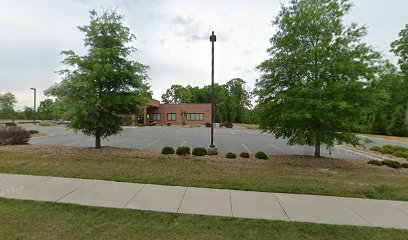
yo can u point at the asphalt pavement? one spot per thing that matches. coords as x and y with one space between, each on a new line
226 140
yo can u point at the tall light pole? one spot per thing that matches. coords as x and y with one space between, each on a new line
213 39
35 103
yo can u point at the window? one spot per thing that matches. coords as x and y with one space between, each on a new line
155 117
171 117
195 116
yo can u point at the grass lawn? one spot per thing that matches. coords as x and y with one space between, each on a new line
247 125
42 220
286 174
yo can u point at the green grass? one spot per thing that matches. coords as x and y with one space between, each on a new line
396 151
286 174
42 220
248 126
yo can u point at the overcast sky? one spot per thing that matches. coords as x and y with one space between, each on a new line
172 38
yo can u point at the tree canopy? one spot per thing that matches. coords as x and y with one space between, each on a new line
233 100
314 86
100 86
7 103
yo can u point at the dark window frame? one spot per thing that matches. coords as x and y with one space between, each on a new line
172 119
154 117
195 117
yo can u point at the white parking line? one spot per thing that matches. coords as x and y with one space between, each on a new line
359 153
246 148
183 143
284 152
150 144
116 142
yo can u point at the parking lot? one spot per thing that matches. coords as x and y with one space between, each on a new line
226 140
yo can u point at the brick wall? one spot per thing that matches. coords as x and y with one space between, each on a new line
164 109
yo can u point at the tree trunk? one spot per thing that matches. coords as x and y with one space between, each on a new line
317 150
98 139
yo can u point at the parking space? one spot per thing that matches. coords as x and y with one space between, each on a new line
155 138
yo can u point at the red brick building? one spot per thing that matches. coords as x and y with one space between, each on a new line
194 114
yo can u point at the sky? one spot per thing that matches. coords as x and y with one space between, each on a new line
172 38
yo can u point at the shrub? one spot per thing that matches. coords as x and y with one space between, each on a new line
13 135
231 155
168 150
183 151
212 152
404 165
375 148
392 164
199 151
10 124
32 131
375 162
208 125
261 155
244 155
226 124
402 154
168 124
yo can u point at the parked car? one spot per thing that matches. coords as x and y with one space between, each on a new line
60 122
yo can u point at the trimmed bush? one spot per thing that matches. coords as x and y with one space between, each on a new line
168 150
392 164
375 162
231 155
402 154
199 151
183 151
404 165
208 125
32 131
169 124
244 155
226 124
375 148
212 152
261 155
13 135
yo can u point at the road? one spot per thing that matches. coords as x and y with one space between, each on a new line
226 140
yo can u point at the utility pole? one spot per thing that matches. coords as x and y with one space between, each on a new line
35 104
213 39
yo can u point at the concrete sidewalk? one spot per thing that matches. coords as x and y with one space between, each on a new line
216 202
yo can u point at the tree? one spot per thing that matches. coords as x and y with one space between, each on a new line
7 103
99 87
240 99
400 49
28 113
177 94
46 109
314 87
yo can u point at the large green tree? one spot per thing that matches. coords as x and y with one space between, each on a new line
400 49
313 88
7 103
100 86
233 100
46 109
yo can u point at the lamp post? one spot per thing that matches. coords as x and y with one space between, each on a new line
35 104
213 39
